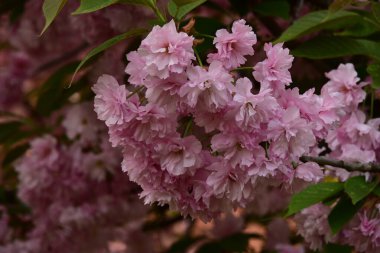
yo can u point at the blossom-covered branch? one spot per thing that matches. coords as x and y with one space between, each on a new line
349 166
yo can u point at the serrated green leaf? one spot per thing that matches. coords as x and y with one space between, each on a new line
332 47
51 8
315 21
273 8
180 11
357 188
374 71
342 213
107 44
376 11
313 195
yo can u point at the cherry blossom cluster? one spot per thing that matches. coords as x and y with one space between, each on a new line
78 198
203 139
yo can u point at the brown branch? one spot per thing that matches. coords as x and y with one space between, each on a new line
349 166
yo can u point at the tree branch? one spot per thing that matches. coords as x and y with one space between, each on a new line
349 166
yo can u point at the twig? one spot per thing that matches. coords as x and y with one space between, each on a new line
349 166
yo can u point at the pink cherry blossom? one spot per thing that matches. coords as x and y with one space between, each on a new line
179 155
232 47
275 68
165 50
213 86
111 101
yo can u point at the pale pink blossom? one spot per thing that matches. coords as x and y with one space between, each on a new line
213 86
232 47
291 134
275 68
253 109
165 50
343 86
111 101
179 155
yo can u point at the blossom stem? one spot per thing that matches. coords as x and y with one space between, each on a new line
349 166
198 57
137 90
204 35
188 128
372 103
242 68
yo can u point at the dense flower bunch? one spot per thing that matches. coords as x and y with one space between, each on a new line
205 140
79 201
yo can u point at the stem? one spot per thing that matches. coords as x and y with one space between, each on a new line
188 128
204 35
158 13
198 57
137 90
349 166
372 103
242 68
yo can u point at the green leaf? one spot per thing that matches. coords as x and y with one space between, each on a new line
107 44
50 93
376 11
183 2
87 6
376 191
51 8
273 8
337 5
9 130
342 213
183 244
357 188
337 248
233 243
172 8
315 21
14 153
313 195
180 11
332 47
374 71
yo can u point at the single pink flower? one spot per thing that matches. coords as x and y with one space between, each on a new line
276 67
232 47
